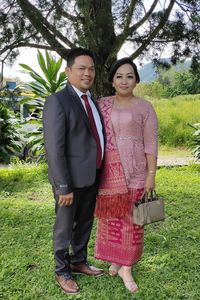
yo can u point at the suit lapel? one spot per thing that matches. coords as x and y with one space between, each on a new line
77 102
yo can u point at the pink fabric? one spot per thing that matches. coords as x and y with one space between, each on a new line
135 130
118 239
132 133
112 178
113 199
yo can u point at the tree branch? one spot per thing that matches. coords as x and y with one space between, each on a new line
123 36
43 26
63 13
184 9
6 48
144 19
10 6
50 11
129 15
155 31
188 7
25 44
7 54
32 45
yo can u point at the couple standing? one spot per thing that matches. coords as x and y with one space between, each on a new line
78 149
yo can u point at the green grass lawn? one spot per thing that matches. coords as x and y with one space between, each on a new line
170 265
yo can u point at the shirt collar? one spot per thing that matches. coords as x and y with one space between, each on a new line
81 93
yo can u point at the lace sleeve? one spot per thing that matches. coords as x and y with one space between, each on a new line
151 132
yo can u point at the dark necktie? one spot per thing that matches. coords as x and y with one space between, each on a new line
94 130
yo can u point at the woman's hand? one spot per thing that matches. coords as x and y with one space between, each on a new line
149 183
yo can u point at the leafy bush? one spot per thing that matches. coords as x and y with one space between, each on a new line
9 98
152 89
11 138
51 81
171 83
196 140
184 83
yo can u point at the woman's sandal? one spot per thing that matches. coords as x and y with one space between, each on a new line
113 270
130 285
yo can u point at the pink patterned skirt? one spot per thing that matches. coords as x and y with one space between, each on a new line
118 240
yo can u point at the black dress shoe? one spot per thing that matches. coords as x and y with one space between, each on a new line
67 284
85 269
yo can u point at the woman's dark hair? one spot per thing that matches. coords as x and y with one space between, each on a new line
75 52
118 63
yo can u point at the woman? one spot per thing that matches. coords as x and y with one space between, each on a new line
129 170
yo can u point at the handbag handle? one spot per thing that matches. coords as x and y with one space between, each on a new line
149 196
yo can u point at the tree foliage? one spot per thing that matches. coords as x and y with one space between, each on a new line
104 26
171 84
196 140
11 139
179 81
184 83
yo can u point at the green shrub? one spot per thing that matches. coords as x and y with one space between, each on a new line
196 140
11 139
184 83
153 90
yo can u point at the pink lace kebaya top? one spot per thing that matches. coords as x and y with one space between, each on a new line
135 128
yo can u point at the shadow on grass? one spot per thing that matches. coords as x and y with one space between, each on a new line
23 177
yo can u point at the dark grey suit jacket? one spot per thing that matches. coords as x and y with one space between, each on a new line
69 143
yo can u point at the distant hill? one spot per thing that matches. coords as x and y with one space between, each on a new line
148 71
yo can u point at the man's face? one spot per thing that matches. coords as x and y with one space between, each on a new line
81 74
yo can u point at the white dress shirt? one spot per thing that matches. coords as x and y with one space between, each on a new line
95 114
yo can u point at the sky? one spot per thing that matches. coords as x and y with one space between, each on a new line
29 56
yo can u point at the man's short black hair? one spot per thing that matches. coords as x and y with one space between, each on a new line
75 52
118 63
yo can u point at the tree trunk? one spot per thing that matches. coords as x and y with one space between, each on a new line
102 87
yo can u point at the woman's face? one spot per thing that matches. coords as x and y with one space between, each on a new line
124 80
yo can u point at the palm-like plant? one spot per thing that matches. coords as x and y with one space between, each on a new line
51 81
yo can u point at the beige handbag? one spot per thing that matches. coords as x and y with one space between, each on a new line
148 210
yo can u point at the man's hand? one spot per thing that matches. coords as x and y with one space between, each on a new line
66 199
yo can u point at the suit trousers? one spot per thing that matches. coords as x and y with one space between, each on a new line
72 228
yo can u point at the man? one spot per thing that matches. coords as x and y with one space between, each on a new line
74 149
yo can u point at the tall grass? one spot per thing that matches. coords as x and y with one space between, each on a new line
173 116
